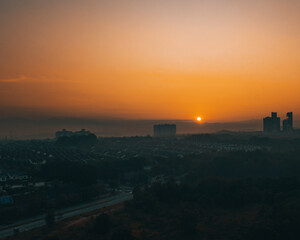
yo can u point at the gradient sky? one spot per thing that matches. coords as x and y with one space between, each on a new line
161 59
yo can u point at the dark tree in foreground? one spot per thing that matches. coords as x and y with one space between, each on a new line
122 234
188 223
50 219
102 224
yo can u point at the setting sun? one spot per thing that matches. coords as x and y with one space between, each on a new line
199 119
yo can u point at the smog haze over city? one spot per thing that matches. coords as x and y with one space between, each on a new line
162 119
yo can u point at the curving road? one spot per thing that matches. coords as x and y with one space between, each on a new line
39 221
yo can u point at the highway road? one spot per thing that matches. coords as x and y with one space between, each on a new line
39 221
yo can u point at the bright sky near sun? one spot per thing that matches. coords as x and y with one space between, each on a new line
175 59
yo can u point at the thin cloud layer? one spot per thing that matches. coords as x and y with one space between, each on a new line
20 78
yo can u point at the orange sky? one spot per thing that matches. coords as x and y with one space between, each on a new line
221 59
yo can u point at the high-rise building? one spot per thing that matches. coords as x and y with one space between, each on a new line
272 124
164 130
288 122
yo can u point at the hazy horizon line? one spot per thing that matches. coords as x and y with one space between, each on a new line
40 118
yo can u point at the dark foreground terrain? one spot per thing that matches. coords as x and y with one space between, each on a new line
220 190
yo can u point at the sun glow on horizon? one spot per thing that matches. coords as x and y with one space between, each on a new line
199 119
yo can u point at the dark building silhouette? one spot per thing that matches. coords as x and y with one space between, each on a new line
272 124
288 122
66 133
164 130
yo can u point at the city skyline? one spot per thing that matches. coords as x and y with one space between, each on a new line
160 119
